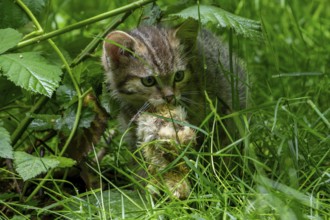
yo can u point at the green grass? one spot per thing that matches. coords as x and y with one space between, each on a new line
277 165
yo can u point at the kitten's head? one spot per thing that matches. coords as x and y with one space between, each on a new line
146 65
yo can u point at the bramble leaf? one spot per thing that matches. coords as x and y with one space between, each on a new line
151 15
29 166
13 16
31 71
6 151
246 27
64 162
8 39
44 121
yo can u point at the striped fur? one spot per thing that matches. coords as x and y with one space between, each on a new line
130 58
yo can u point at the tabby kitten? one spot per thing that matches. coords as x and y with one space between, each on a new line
150 66
153 66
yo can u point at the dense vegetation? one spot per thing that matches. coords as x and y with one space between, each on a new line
59 141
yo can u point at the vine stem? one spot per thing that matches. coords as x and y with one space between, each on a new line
93 44
80 24
75 124
80 97
76 86
26 121
68 69
30 14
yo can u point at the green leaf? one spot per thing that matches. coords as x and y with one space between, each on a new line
126 204
64 162
151 14
29 166
246 27
66 95
6 151
9 92
8 39
6 196
31 71
122 203
36 6
44 121
69 116
13 16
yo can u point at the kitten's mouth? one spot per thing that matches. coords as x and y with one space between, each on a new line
165 101
154 105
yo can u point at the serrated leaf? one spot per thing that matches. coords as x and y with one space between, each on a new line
246 27
31 71
9 92
151 14
13 16
64 162
8 39
35 6
29 166
67 121
66 95
43 121
6 151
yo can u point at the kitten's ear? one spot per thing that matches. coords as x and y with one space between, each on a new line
117 48
187 32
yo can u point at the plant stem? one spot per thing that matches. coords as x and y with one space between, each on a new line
76 122
319 113
129 7
68 69
76 86
30 14
26 121
80 97
93 44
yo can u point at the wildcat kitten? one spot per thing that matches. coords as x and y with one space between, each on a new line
152 66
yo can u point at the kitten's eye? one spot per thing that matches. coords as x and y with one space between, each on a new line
179 76
148 81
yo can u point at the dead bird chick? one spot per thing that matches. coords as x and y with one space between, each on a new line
163 135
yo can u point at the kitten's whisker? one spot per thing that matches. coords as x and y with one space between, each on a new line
190 92
189 101
183 104
142 109
198 93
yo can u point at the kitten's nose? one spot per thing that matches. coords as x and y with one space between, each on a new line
169 98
